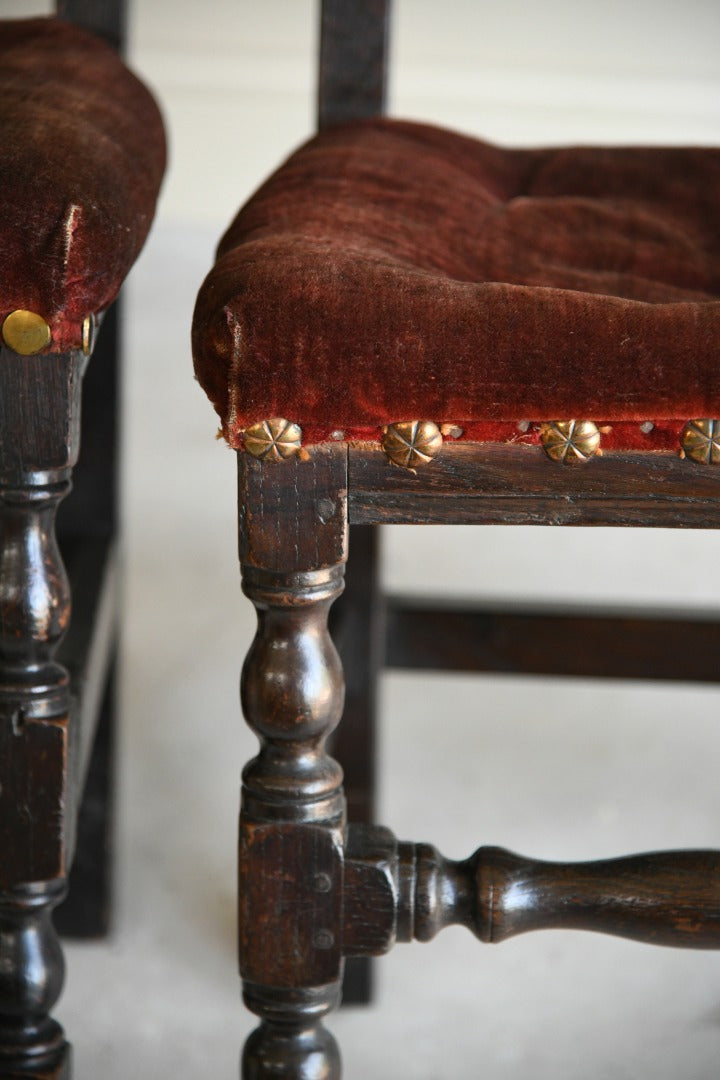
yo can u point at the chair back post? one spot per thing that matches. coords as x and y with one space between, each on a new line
352 85
106 18
354 42
92 510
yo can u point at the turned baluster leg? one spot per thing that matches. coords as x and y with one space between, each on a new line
39 414
292 549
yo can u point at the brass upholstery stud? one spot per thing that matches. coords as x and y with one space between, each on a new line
700 439
88 334
273 440
570 441
25 332
412 442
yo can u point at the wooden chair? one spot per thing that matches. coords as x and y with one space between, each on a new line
82 163
378 354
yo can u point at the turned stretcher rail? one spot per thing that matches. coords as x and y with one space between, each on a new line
400 892
666 898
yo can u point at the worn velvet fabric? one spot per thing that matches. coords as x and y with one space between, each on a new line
393 271
81 161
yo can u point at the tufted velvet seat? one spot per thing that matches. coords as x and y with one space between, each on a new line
391 270
83 154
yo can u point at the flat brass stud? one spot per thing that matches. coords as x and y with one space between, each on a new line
412 442
25 332
700 439
570 441
273 440
88 334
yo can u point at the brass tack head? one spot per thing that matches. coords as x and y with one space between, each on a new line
25 332
412 442
570 441
273 440
700 439
88 334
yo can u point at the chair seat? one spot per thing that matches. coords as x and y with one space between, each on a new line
393 271
83 154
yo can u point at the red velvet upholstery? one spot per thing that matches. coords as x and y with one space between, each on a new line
83 154
394 271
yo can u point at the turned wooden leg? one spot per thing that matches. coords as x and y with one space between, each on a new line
292 549
31 978
39 414
34 743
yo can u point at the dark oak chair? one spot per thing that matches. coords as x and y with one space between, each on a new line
404 325
83 157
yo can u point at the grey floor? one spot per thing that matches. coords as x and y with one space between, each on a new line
556 770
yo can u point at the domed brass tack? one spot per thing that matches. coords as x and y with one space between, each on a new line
412 442
25 332
88 334
700 440
273 440
570 441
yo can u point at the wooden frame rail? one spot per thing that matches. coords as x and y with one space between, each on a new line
494 484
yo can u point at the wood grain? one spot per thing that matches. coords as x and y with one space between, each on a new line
486 484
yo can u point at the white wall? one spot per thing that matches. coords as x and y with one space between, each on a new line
237 79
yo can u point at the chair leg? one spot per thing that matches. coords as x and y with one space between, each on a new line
356 626
87 910
39 403
293 528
